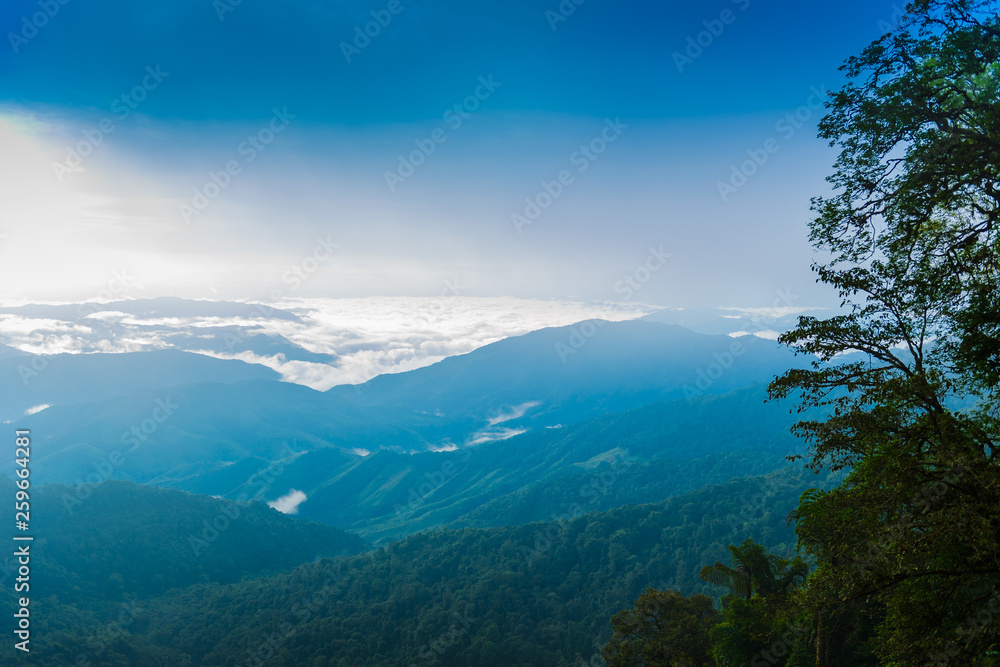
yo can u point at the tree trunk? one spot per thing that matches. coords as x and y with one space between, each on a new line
822 653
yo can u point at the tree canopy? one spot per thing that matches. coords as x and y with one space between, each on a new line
906 548
909 236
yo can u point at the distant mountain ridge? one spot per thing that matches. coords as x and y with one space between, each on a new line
163 306
30 380
507 433
580 371
515 385
88 533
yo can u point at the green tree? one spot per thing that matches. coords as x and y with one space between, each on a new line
756 571
911 538
665 629
759 624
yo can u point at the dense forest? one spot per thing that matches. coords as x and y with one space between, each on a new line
534 594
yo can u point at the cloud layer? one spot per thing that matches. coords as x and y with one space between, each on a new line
319 343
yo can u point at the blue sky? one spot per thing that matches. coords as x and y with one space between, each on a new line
254 111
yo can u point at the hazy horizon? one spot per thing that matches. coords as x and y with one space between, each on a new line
260 153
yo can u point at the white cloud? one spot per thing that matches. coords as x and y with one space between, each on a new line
36 409
513 413
767 334
289 503
110 316
368 337
492 436
773 312
15 324
379 335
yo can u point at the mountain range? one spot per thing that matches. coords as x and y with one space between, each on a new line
474 427
509 499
